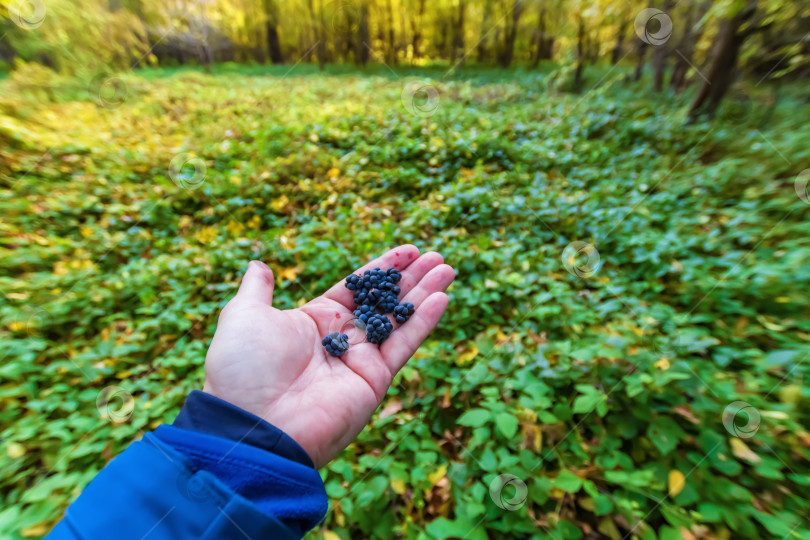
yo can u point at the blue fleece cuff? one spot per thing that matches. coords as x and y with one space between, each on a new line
208 414
153 491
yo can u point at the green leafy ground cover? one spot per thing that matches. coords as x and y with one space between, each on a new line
604 395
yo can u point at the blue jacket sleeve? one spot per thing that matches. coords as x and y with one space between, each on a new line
218 473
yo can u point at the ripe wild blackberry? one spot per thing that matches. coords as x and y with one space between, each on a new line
335 344
403 312
378 328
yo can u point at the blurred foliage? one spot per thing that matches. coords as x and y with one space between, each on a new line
604 395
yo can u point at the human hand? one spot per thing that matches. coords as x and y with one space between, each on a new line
271 362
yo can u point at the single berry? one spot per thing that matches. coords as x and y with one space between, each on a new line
378 328
335 344
403 312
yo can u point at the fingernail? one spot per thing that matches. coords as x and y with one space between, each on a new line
260 264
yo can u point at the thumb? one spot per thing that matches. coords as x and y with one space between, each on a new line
257 283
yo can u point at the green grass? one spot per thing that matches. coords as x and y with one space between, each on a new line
591 391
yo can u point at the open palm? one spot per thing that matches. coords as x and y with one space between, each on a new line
271 362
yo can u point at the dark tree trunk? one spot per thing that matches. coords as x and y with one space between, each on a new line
543 44
416 27
724 63
482 49
616 53
511 35
641 52
686 47
458 38
391 53
580 53
273 46
361 55
660 54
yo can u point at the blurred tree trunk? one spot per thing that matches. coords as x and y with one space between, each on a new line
273 45
458 37
511 34
363 36
316 23
544 45
724 63
416 27
391 53
686 47
660 54
580 52
482 50
641 52
616 53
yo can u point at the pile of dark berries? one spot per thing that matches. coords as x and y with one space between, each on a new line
376 292
378 328
336 344
403 312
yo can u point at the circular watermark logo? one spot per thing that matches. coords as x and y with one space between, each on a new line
108 91
187 171
353 328
802 179
581 259
37 322
27 14
741 419
420 98
653 26
508 492
192 487
342 18
115 404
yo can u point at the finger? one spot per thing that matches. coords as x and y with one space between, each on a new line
257 284
403 342
418 270
399 257
436 280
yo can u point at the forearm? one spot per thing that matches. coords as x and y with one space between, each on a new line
218 472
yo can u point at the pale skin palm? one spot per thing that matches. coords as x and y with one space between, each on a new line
271 363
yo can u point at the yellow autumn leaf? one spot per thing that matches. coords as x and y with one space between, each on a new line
15 450
254 222
437 475
234 227
676 481
662 364
333 173
398 486
16 326
468 355
288 274
741 451
280 203
206 235
36 530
